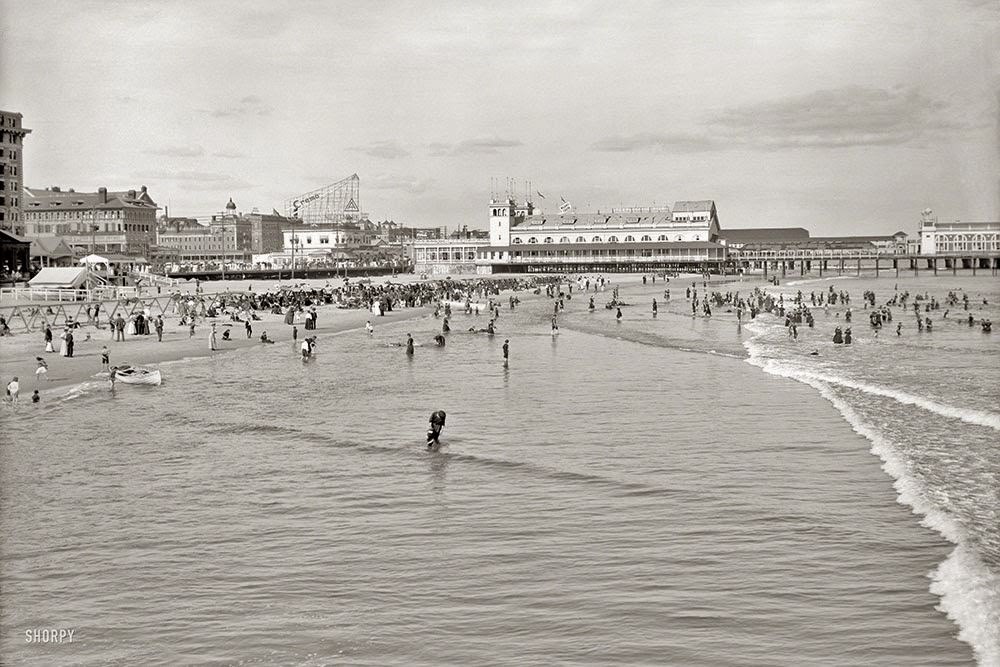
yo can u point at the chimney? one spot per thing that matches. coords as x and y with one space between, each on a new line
102 195
142 189
131 194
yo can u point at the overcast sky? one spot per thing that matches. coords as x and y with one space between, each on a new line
844 117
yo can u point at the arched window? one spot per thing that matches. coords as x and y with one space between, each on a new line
629 239
548 239
518 241
532 240
678 238
662 237
612 239
564 239
646 238
697 238
580 239
596 239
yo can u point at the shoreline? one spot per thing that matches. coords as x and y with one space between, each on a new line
177 345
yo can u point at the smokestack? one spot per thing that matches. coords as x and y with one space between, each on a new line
102 195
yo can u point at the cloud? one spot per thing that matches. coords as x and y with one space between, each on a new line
652 141
251 105
229 154
408 184
850 116
472 146
177 151
842 117
389 150
197 180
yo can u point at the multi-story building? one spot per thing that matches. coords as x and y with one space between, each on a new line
105 222
521 238
937 238
225 237
632 239
265 231
11 144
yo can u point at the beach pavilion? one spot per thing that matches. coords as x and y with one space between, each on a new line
51 252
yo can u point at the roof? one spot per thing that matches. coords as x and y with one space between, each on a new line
10 237
852 239
764 234
694 206
59 277
53 247
581 220
36 199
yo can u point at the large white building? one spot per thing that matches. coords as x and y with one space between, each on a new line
522 238
942 238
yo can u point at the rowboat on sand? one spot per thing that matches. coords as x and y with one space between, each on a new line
137 375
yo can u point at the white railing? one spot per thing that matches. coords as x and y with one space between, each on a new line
99 293
154 279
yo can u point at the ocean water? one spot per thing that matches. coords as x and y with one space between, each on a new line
657 491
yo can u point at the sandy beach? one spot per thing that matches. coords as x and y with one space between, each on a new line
19 351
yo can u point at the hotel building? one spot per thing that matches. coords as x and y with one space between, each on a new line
11 143
121 222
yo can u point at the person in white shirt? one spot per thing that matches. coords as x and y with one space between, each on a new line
13 389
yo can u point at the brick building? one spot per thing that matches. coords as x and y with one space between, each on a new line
11 179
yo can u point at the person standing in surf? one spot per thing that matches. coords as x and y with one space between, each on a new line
506 351
409 345
436 424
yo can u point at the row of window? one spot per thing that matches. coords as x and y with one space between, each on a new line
598 239
3 169
78 214
325 240
446 256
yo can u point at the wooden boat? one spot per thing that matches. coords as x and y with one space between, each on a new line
137 375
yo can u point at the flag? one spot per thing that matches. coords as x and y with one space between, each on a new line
565 206
539 194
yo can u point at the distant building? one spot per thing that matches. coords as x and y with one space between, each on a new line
325 238
266 231
738 238
226 237
11 142
122 222
447 256
938 238
630 239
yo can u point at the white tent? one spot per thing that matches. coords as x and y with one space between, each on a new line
94 259
59 278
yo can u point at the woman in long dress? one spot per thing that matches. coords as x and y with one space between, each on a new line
131 327
63 349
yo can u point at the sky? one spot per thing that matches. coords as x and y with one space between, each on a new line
844 117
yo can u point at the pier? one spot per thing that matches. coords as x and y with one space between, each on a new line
853 262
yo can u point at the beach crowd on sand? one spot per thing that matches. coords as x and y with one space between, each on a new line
291 304
203 311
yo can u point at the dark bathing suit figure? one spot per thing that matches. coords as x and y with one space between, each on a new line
434 432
